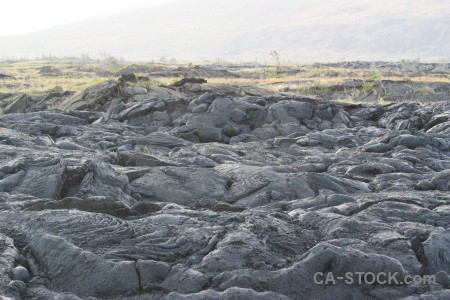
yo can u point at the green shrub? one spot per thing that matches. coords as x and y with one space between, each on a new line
370 83
407 79
56 89
274 74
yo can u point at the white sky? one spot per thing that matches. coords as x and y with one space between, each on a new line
25 16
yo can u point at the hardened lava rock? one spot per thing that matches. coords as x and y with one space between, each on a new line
212 192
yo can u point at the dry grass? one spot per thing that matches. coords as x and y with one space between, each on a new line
73 76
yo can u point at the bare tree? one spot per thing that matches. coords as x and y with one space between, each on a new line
276 56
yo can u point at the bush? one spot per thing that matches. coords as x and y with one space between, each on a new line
56 89
370 83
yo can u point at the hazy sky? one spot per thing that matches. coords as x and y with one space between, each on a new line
25 16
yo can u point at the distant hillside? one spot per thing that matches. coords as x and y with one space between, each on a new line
307 30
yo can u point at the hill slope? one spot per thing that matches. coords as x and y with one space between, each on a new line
298 30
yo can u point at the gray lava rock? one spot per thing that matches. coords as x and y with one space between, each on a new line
437 252
20 273
290 111
209 134
95 97
15 289
209 191
231 293
184 280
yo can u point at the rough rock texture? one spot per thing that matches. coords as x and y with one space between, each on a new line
222 195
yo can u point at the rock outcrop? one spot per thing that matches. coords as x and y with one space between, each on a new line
216 193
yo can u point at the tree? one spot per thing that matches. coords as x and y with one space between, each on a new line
276 56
